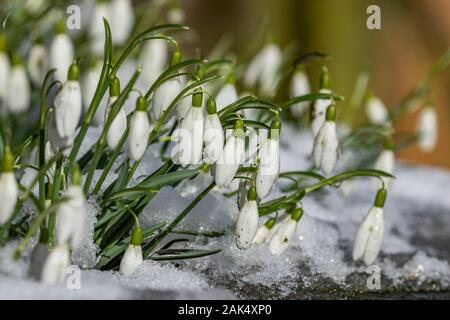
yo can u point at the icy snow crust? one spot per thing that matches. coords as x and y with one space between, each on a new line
415 255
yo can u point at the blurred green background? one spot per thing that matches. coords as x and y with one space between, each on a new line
413 34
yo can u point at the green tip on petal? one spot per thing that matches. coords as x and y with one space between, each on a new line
140 104
380 198
325 78
251 195
197 98
275 128
231 79
176 58
74 72
8 161
331 113
136 237
270 223
3 43
60 26
297 214
200 73
239 129
301 68
204 167
114 87
76 175
389 143
211 106
15 59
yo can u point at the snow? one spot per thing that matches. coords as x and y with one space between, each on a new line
415 247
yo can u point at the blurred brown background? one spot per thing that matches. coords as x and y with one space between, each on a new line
413 34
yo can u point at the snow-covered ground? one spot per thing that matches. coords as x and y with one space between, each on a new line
415 255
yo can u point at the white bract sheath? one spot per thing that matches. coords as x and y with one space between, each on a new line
61 55
131 259
18 94
54 270
299 86
247 223
122 20
428 129
37 64
71 217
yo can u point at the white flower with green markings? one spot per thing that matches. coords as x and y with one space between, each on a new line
119 123
282 237
300 86
213 135
428 128
262 234
326 144
139 130
8 187
54 271
320 106
247 223
227 94
19 92
61 52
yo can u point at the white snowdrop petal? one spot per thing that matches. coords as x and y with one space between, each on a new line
18 94
8 193
385 162
299 86
247 224
55 267
164 95
117 127
318 114
282 237
261 235
153 60
326 147
138 135
131 259
96 28
229 161
122 20
365 235
376 111
37 64
4 78
213 137
61 56
226 96
68 109
269 167
428 129
89 85
375 238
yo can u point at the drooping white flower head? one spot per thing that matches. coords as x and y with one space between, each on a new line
386 161
376 110
4 74
264 69
54 271
281 239
232 156
56 142
227 94
263 232
71 213
37 64
326 144
139 131
319 107
153 60
247 223
188 150
122 20
96 28
369 238
61 53
89 83
68 104
213 135
132 257
269 161
8 187
299 86
428 129
18 94
166 92
119 123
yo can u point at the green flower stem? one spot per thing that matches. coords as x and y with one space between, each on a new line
55 196
100 145
177 220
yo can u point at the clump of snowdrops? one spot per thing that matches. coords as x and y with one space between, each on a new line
51 91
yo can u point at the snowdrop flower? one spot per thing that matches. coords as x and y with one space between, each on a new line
8 187
48 154
299 86
263 69
428 129
280 240
153 59
263 232
132 257
71 214
54 270
376 110
56 142
61 53
370 233
96 29
326 144
37 64
320 106
175 15
386 160
213 135
227 94
232 156
89 85
122 20
139 130
18 94
68 104
167 91
188 149
247 223
119 123
269 165
4 74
